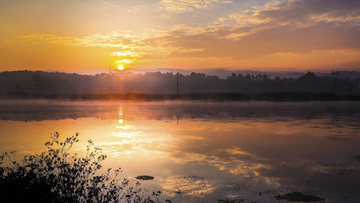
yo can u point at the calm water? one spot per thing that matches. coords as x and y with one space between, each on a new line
203 152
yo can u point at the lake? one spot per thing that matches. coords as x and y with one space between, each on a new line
206 152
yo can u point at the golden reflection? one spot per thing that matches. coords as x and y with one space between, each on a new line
120 111
121 120
195 158
194 186
135 142
246 150
125 127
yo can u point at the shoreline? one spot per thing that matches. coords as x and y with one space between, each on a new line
216 97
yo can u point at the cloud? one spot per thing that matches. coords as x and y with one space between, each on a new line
311 10
177 6
112 39
297 27
292 27
108 5
129 44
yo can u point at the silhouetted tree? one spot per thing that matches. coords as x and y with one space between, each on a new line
166 83
36 78
335 75
54 176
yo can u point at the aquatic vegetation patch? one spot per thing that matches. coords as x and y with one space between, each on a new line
144 177
298 197
230 201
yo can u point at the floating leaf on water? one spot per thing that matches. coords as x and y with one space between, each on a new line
298 197
230 201
144 177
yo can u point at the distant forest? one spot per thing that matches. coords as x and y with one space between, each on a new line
169 83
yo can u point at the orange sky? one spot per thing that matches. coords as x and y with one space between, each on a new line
95 36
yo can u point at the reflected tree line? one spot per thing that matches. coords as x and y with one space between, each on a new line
217 111
169 83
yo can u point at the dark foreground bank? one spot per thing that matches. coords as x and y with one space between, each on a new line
276 96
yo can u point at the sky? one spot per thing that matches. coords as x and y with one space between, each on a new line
89 36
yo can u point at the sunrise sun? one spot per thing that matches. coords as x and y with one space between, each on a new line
120 67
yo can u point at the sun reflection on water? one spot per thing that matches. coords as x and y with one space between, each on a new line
201 157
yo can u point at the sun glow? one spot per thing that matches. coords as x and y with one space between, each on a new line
120 67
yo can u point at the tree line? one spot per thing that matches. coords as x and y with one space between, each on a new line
169 83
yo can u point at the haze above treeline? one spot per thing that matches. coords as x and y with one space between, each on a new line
338 82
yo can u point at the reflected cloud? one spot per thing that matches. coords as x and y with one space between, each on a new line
193 186
135 142
231 148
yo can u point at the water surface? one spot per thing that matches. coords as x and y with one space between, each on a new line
203 152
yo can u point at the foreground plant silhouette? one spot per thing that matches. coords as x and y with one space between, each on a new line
53 176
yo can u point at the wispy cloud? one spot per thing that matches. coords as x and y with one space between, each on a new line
108 5
311 10
292 27
112 39
131 46
297 27
177 6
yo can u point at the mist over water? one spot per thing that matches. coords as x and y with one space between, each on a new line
203 152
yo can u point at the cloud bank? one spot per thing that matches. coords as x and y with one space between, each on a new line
280 30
